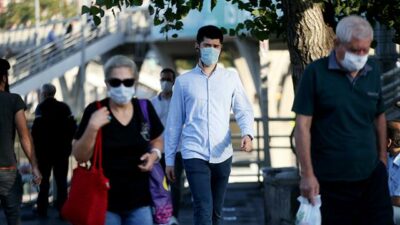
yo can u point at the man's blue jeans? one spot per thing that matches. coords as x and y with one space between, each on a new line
11 195
207 182
139 216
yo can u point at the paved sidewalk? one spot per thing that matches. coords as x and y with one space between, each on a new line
243 206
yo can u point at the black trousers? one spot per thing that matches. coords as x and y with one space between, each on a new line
365 202
59 165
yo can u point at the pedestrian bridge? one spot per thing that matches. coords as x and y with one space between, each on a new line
35 65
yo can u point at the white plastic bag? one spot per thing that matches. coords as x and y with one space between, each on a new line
309 214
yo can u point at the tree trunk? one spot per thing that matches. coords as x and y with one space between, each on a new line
308 36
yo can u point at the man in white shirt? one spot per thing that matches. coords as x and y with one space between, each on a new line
393 134
199 119
161 104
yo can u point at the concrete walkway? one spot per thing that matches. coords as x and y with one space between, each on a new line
243 206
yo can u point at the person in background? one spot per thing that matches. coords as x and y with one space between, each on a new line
12 118
51 36
127 159
341 131
198 122
393 137
52 132
161 103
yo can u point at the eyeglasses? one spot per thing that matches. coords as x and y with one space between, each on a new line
114 82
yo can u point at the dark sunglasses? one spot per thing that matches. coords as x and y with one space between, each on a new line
114 82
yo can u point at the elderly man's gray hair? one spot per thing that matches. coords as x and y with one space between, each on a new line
353 27
48 90
120 61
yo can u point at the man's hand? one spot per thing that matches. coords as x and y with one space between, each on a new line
37 176
309 187
170 172
246 144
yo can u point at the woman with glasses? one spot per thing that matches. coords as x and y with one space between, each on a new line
126 143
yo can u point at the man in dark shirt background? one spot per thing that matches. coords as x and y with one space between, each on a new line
52 132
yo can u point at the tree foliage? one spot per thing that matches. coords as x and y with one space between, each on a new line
266 15
23 12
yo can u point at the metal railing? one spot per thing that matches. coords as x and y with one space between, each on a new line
34 60
391 92
251 163
24 37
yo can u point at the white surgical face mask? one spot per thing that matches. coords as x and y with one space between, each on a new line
209 56
121 95
353 62
166 86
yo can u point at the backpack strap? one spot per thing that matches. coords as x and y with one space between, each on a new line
143 108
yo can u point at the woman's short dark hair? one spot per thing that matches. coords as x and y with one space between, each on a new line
211 32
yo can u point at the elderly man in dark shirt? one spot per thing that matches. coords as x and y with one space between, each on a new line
341 131
52 133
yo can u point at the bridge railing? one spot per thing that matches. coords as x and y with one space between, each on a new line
34 60
247 165
26 36
391 87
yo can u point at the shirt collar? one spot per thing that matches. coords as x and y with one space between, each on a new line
200 71
334 65
396 160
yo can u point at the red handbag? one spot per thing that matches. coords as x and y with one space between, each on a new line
88 195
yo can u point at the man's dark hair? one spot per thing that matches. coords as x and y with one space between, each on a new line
4 67
211 32
168 70
393 132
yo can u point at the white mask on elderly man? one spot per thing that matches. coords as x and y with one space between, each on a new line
166 86
353 62
121 94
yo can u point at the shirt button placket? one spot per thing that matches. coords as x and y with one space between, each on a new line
208 117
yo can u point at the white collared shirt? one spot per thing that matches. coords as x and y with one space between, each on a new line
200 111
161 105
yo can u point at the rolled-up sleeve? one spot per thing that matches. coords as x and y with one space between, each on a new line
242 109
176 118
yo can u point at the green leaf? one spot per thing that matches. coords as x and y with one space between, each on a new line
159 4
213 4
94 10
85 9
240 26
96 20
200 6
169 15
157 21
223 29
102 12
109 4
179 25
151 9
99 2
175 35
137 2
232 32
